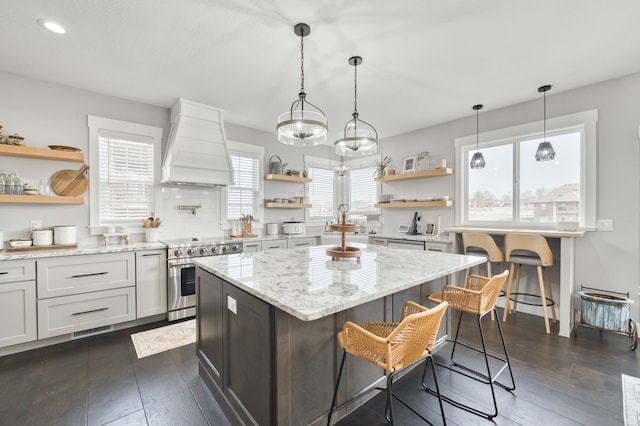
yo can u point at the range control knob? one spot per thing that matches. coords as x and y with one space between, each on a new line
178 253
190 252
236 247
215 250
203 250
225 249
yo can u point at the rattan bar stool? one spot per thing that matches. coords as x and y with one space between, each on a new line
393 347
481 244
529 249
478 297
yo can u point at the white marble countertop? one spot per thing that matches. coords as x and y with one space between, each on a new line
400 236
307 284
501 231
82 249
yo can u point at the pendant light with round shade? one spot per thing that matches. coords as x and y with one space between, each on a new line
545 151
359 138
304 124
477 161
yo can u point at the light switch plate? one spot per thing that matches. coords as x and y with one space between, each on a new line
232 305
35 224
605 225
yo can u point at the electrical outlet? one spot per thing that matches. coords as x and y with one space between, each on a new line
35 224
605 225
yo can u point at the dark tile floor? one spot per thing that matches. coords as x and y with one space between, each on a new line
99 380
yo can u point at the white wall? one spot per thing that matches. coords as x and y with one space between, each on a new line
609 260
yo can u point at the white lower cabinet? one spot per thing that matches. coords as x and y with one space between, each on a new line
274 244
151 283
17 302
251 247
77 293
68 314
301 242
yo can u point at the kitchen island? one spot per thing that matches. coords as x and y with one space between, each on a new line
267 323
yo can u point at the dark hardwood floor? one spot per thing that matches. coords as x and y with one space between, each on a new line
99 380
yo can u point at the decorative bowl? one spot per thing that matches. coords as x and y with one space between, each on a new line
20 242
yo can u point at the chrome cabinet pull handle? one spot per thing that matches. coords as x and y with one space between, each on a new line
3 273
89 275
91 311
154 254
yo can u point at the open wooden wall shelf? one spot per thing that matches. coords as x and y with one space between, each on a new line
416 175
40 153
39 199
287 206
408 204
285 178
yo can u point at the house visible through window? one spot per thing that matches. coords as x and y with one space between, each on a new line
124 171
514 188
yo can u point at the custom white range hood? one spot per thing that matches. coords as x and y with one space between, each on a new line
196 151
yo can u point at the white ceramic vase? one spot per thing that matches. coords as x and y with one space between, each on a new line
152 234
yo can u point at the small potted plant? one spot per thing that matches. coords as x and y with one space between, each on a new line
381 166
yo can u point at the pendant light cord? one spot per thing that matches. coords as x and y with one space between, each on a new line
302 63
477 128
544 119
355 89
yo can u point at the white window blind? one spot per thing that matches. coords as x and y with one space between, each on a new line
363 191
242 196
126 165
321 194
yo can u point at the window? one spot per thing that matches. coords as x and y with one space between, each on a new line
515 189
125 172
328 190
363 193
321 193
243 197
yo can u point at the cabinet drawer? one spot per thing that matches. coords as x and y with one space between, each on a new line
17 270
63 315
64 276
275 244
301 242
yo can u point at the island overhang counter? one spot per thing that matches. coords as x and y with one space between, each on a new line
266 323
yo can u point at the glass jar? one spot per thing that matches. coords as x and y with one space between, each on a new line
425 161
17 185
44 187
4 183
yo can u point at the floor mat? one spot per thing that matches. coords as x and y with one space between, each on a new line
631 400
162 339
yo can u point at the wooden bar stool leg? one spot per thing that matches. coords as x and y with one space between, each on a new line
507 299
515 302
489 274
550 292
544 299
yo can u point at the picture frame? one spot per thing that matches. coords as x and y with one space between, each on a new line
409 164
429 229
403 228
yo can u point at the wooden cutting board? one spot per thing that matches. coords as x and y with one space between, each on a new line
70 183
38 248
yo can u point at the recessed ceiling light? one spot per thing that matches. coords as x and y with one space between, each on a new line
52 26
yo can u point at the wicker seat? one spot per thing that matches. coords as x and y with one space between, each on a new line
533 250
393 347
477 297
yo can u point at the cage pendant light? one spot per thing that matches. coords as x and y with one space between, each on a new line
342 170
545 151
359 138
304 124
477 161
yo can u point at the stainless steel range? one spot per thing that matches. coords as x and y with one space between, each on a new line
181 290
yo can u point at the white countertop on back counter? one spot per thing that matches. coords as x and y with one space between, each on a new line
428 238
82 249
307 284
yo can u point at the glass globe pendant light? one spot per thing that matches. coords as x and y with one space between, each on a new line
545 151
341 170
304 124
359 137
477 161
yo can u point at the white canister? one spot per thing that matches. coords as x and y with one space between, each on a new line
152 234
272 229
42 237
64 234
